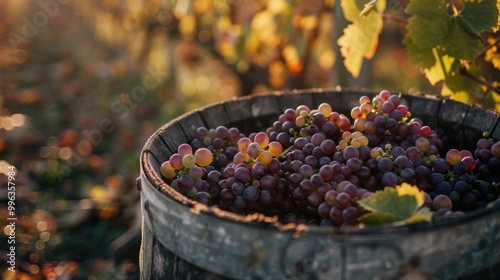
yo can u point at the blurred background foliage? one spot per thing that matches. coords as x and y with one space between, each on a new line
84 83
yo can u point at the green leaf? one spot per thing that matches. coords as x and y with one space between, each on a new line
457 34
429 24
360 39
480 16
399 205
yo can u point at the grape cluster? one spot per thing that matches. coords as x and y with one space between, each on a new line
313 165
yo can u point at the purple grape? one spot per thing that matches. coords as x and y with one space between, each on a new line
317 139
237 188
295 179
354 164
391 124
203 197
214 177
259 169
306 187
328 146
440 165
330 129
389 179
343 200
265 197
318 152
402 162
350 152
421 172
336 214
397 115
331 197
379 121
306 171
308 149
239 203
311 161
274 166
317 180
350 214
314 199
407 174
324 210
185 183
242 174
267 182
250 193
413 154
227 196
351 190
298 155
443 187
384 164
326 172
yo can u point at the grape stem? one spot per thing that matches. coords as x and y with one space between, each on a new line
282 156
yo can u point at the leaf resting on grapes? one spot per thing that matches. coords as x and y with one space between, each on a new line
399 205
360 38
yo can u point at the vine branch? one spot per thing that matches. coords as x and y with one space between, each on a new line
463 71
489 46
395 18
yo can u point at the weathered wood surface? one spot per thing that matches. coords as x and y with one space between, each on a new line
182 242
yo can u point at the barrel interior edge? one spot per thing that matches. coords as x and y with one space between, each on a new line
214 115
293 100
190 123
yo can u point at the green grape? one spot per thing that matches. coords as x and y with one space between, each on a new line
188 161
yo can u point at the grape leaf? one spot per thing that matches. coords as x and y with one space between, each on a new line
360 38
399 205
458 34
444 66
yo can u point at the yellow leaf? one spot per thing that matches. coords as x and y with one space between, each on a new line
360 39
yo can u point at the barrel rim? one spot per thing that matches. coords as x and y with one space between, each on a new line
265 222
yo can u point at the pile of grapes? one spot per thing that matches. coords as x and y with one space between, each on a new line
313 165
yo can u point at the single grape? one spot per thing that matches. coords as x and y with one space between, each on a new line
176 161
384 164
350 152
325 109
343 200
203 157
453 156
184 149
203 197
262 139
188 161
251 193
185 183
389 179
350 214
167 170
442 201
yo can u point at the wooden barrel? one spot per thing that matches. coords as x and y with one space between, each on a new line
185 240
